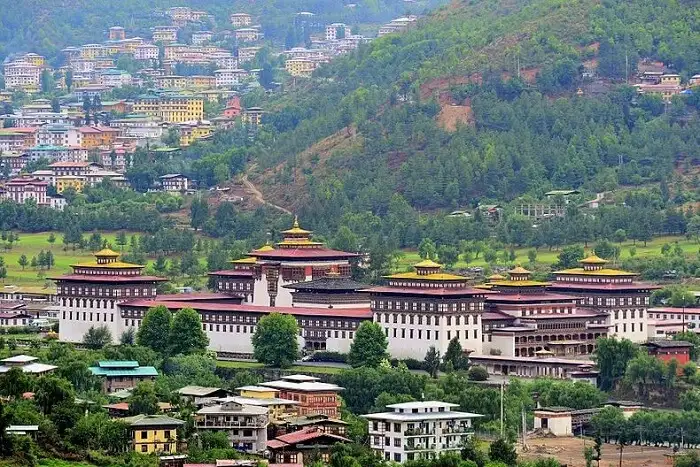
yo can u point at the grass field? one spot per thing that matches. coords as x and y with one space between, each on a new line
328 370
31 244
547 257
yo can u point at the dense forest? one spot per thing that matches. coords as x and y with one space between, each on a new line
376 113
35 26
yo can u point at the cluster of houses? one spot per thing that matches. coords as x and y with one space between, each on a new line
656 79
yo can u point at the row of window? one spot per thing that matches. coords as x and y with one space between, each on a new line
426 306
418 319
594 280
411 334
327 334
632 314
666 316
88 303
98 317
106 292
624 327
546 311
228 285
101 272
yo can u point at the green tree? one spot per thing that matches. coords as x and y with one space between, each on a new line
427 249
570 256
448 255
154 331
121 240
23 261
51 391
605 249
186 334
128 337
477 373
51 239
620 235
455 354
143 399
612 357
503 451
369 347
199 212
431 362
14 383
532 256
97 337
275 340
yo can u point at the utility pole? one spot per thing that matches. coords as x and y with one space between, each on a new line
502 386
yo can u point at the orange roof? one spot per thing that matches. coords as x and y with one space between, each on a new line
69 164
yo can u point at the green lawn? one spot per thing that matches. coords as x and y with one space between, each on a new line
31 244
328 370
547 257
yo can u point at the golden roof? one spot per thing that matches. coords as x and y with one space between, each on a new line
265 247
106 252
511 283
296 229
496 277
594 259
112 265
519 270
246 260
428 263
596 272
439 276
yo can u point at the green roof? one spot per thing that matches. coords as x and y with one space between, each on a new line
114 372
118 363
152 420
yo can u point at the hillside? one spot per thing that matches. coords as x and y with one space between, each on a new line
35 26
377 127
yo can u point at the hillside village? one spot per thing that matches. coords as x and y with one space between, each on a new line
88 134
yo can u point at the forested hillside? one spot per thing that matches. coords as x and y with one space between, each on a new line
37 26
366 133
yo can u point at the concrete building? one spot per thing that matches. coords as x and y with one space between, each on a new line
174 182
241 20
154 433
335 31
21 190
419 430
245 425
313 396
27 364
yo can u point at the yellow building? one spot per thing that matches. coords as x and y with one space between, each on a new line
300 67
35 59
91 51
70 181
252 116
190 133
674 80
171 82
201 82
171 108
154 433
260 396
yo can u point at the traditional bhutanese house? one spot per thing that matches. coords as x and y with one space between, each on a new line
426 308
154 433
267 270
539 320
122 374
320 422
27 364
314 397
667 350
89 296
200 396
292 448
608 290
268 398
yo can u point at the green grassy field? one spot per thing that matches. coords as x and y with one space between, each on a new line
547 257
329 370
31 244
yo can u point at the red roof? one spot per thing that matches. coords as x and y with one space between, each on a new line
117 406
302 253
592 286
495 315
89 129
14 315
680 311
365 313
234 273
530 297
26 181
444 291
107 278
23 129
198 296
301 436
69 164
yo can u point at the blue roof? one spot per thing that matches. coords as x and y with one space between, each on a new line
113 372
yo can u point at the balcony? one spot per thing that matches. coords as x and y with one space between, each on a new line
419 447
419 432
457 430
223 424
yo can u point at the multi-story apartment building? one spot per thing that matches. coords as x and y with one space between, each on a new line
20 190
248 35
171 108
230 77
419 430
241 19
92 51
58 135
246 54
35 59
302 67
245 425
191 132
22 75
174 182
427 308
17 139
335 31
313 396
58 154
278 408
201 37
200 82
146 52
611 291
164 34
114 78
75 182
